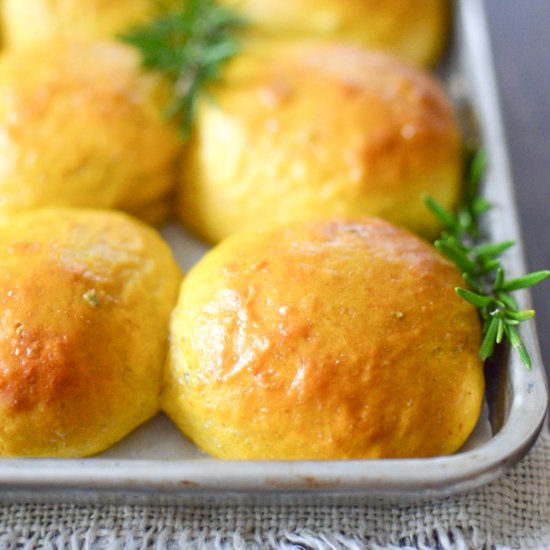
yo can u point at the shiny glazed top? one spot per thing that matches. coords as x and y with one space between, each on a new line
336 339
413 29
82 125
308 129
33 22
85 298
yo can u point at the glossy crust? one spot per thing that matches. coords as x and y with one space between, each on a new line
30 22
85 302
413 29
324 340
315 129
82 125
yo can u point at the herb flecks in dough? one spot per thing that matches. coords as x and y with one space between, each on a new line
92 298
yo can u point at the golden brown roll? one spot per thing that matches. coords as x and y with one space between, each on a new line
312 129
324 340
30 22
85 302
83 126
413 29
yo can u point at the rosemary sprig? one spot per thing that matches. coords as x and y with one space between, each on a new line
489 289
189 45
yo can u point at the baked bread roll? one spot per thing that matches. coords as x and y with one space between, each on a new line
413 29
84 126
30 22
324 340
311 129
86 298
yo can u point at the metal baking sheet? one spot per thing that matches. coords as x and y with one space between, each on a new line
156 464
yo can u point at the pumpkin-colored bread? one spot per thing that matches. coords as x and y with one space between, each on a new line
82 125
413 29
324 340
30 22
309 129
85 303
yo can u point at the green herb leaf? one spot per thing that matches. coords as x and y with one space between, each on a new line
499 279
480 205
489 339
525 281
480 265
478 165
472 282
486 266
520 315
517 344
493 249
500 331
508 300
456 255
475 299
444 216
189 45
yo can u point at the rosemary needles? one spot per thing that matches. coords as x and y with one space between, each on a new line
189 45
489 289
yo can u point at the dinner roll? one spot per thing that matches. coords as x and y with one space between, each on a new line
82 125
324 340
85 303
413 29
29 22
311 129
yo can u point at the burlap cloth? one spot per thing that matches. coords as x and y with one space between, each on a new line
513 512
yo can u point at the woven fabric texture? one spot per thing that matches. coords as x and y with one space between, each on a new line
513 512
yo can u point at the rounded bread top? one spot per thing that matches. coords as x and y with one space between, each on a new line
308 128
413 29
82 125
333 339
27 23
85 301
